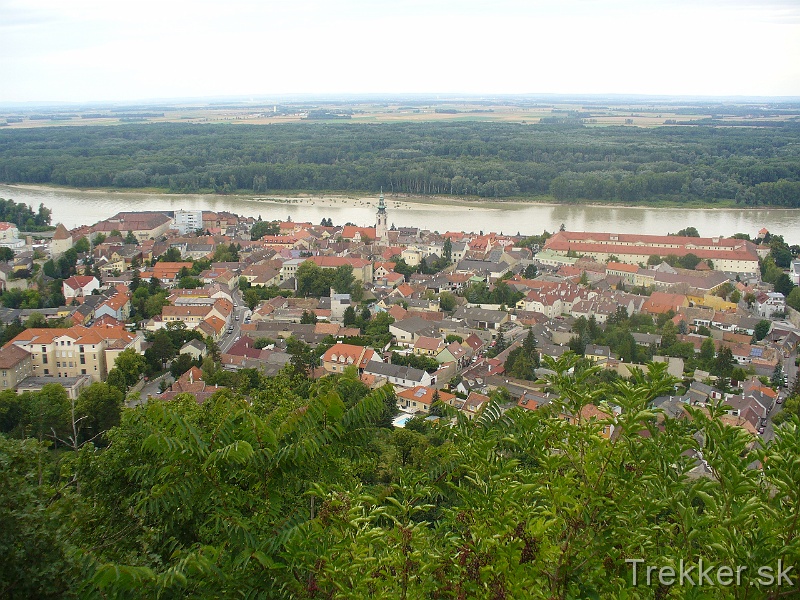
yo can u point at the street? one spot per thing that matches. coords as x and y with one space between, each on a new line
228 339
152 388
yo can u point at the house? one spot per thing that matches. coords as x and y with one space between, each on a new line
362 268
167 272
482 318
597 353
408 331
534 399
340 356
770 303
79 286
262 275
701 393
339 304
454 352
117 306
212 326
428 346
192 383
420 398
191 316
225 277
473 405
661 302
398 375
194 348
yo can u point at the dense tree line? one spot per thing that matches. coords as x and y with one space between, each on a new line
23 216
751 166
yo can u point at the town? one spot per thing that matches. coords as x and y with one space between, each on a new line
160 304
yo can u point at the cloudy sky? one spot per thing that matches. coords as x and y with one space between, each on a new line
101 50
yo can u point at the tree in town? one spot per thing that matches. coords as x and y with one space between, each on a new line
762 329
131 366
349 317
251 298
447 301
724 363
308 317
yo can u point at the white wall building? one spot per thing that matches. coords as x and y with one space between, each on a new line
188 221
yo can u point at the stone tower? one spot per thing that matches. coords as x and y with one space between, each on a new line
380 221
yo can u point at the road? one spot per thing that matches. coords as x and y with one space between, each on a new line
239 310
228 339
789 368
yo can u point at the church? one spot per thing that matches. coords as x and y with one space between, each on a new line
378 234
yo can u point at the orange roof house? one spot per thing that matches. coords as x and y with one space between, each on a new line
421 398
340 356
662 302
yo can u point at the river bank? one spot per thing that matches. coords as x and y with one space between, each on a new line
74 207
336 199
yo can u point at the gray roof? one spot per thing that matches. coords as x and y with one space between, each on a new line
396 371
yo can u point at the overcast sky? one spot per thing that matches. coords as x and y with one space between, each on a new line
99 50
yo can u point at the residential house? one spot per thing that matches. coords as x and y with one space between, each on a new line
769 304
117 306
79 286
428 346
398 375
340 356
597 353
420 398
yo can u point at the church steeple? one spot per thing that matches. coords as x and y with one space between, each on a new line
380 221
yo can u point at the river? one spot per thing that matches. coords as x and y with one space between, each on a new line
80 207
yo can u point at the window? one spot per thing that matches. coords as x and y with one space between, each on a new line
47 372
58 364
83 371
83 359
44 358
80 348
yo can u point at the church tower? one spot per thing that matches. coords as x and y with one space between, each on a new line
380 221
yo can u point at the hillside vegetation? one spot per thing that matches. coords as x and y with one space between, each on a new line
287 488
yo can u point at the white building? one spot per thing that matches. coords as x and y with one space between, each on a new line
769 303
188 221
9 236
794 272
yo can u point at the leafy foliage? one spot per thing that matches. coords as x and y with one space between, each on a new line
568 161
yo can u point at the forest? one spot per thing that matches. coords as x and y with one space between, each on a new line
565 161
293 488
